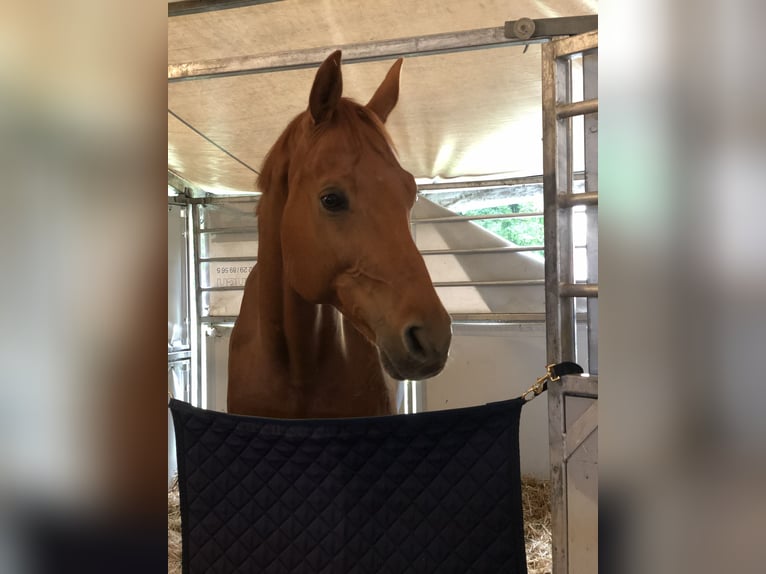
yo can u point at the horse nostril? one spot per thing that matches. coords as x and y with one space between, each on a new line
413 341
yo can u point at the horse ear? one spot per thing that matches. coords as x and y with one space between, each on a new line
327 89
385 97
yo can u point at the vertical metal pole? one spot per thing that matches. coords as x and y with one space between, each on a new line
560 319
556 169
195 304
557 180
590 91
550 210
564 163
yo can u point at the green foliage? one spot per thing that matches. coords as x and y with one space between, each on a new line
521 231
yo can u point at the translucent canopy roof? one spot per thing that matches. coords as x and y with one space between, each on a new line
469 113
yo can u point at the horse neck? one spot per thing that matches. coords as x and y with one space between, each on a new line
299 333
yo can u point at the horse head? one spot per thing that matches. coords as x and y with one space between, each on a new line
345 235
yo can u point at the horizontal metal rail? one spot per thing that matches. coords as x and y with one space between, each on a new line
183 186
186 7
481 250
480 183
577 108
179 355
497 318
416 221
579 386
456 218
248 197
503 318
232 288
457 318
218 319
573 199
497 283
582 44
578 290
227 230
489 283
224 259
352 53
427 188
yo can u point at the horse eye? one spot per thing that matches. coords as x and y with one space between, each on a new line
334 201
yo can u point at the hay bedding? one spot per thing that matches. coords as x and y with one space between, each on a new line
535 500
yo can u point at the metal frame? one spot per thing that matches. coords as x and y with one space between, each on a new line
558 109
429 45
186 7
195 304
352 53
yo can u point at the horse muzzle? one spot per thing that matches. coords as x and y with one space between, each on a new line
417 352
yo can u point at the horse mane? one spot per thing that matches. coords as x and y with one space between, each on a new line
349 116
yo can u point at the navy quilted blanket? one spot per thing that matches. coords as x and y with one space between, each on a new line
429 492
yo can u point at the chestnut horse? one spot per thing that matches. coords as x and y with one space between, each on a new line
339 291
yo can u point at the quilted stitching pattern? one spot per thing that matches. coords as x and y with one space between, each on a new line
431 492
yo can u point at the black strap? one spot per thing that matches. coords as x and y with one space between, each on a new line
553 373
566 368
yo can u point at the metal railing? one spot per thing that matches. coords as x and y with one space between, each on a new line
558 110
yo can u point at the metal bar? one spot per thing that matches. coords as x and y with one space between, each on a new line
555 165
224 230
590 127
186 7
558 479
572 199
233 258
233 288
582 44
503 318
182 185
252 197
174 356
579 386
570 290
487 183
549 27
550 186
457 318
481 250
352 53
582 108
218 319
496 283
195 304
456 218
497 318
579 431
565 161
560 290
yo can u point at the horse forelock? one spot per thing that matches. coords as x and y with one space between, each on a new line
353 118
358 124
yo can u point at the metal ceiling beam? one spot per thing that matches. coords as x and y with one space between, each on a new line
514 33
183 186
186 7
352 53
